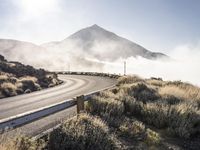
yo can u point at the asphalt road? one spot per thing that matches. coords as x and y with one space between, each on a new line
74 85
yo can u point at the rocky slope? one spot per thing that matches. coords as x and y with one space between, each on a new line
16 78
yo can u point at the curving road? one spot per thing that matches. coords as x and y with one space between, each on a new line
74 85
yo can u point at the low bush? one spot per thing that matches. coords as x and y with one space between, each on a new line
184 120
3 78
133 129
129 79
21 143
155 82
83 132
152 137
8 89
105 107
31 79
142 92
29 83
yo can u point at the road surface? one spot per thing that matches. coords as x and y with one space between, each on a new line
74 85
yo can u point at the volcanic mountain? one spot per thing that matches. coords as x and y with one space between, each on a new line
101 44
84 49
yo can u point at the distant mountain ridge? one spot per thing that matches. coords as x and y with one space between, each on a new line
91 43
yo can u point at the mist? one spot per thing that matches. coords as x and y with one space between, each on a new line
105 55
184 65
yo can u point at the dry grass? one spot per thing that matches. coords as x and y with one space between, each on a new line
141 91
28 78
134 110
8 85
133 129
8 89
105 107
82 132
129 79
186 93
19 142
152 138
173 106
155 82
12 86
3 77
24 77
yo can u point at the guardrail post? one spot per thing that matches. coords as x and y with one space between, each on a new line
80 104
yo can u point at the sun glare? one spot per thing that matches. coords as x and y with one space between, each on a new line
37 7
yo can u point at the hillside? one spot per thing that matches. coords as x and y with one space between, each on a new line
24 52
138 114
16 78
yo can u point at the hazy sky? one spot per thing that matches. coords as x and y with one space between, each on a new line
158 25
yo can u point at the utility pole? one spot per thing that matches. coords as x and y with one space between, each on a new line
124 67
69 67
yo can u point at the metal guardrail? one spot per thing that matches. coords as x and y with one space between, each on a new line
86 97
27 117
90 74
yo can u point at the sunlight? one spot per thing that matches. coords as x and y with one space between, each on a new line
37 7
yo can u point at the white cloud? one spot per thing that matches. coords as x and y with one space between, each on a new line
185 66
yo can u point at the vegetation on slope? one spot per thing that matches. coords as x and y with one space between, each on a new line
138 106
138 114
16 78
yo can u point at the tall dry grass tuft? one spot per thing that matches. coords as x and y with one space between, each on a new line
185 92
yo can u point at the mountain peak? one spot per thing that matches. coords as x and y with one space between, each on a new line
91 33
95 26
106 45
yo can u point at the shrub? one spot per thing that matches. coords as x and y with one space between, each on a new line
155 114
133 129
142 92
189 92
152 137
155 82
21 143
105 107
132 106
3 78
184 120
108 94
170 99
151 113
8 89
82 132
29 83
129 79
173 91
172 105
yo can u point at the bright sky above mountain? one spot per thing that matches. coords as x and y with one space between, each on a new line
158 25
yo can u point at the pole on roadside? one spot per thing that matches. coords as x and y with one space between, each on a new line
124 67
